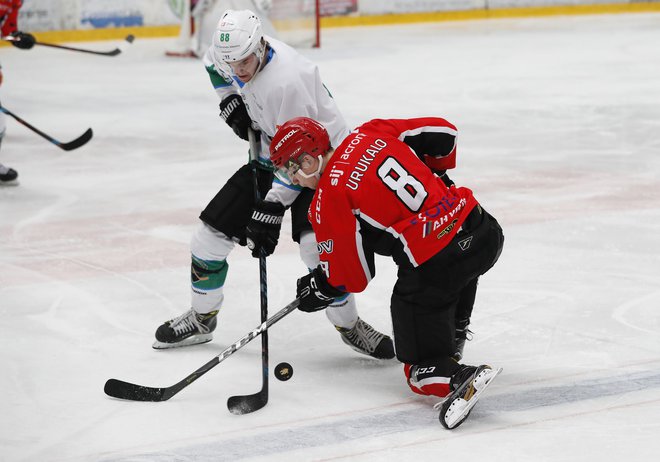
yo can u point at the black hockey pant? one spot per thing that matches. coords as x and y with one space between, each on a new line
426 300
230 210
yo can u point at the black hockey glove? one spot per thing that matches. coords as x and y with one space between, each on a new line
234 112
23 40
315 292
263 229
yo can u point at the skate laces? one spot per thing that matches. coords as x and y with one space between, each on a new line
467 334
464 333
188 322
362 335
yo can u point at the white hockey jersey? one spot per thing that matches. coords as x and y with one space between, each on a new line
288 86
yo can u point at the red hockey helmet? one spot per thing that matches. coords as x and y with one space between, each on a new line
296 137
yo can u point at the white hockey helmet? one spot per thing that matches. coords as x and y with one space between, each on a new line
237 35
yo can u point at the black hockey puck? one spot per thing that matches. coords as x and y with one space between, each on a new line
283 371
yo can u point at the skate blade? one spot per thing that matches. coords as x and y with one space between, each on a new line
193 340
459 409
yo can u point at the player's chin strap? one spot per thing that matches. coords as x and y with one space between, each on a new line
263 57
316 174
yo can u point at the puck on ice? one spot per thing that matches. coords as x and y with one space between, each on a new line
283 371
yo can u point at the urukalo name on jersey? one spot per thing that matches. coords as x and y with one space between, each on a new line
353 181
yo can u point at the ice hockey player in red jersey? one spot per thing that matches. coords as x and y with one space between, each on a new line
9 28
9 24
384 190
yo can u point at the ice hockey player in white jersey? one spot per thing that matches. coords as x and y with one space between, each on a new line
262 83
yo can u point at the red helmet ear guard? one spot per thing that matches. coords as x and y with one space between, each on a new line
296 137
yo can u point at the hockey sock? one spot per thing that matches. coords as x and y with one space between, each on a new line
343 312
206 275
433 379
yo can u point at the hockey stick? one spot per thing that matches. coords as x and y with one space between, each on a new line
124 390
129 38
81 140
244 404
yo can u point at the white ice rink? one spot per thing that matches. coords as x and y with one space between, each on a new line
559 124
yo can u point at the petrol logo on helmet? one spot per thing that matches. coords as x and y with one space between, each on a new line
292 132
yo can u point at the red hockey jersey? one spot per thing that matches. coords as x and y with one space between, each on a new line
378 188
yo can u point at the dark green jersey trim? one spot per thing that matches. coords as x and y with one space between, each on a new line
217 80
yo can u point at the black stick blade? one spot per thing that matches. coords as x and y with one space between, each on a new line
81 140
129 40
245 404
124 390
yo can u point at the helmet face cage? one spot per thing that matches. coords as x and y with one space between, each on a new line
238 35
296 138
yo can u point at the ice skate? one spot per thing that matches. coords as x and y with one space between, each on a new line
191 328
9 178
467 384
366 340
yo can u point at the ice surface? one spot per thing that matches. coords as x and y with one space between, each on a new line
559 121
